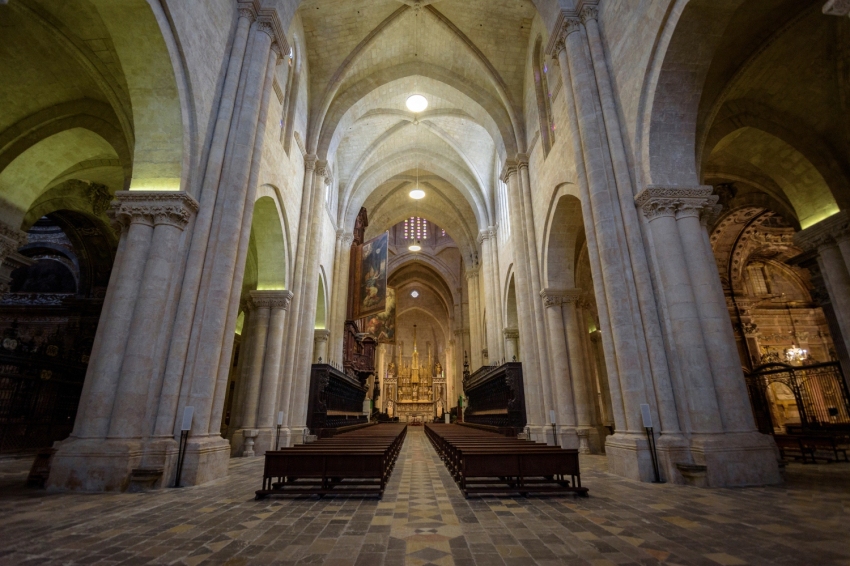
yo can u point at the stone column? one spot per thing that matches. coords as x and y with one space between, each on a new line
511 344
107 442
260 317
581 391
473 288
660 208
562 378
831 239
342 257
598 361
310 281
320 346
277 303
536 383
173 381
718 416
164 215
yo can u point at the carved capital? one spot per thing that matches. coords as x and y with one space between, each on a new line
681 202
836 7
271 299
321 335
483 235
825 232
508 170
248 10
589 13
511 333
310 162
10 240
558 297
154 208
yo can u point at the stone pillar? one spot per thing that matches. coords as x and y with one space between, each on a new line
320 346
164 217
660 208
562 378
310 287
212 305
277 303
511 344
109 432
831 239
716 411
536 383
588 436
339 301
598 361
475 344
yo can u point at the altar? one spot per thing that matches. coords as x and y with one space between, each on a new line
415 391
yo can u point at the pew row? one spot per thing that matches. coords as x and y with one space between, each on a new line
483 462
353 463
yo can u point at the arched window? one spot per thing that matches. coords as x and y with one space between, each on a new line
544 98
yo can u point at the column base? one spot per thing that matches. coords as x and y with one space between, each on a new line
94 464
737 459
568 437
265 440
537 433
206 460
629 456
237 443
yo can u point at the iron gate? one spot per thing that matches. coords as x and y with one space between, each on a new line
820 392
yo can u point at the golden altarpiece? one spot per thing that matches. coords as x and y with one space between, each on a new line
415 391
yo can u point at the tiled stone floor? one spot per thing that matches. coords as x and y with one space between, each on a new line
423 519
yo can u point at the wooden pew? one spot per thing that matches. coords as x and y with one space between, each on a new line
353 463
485 462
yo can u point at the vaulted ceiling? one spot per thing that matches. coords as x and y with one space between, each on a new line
467 57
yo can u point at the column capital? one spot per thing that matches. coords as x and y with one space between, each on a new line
567 23
471 273
558 297
589 12
11 239
836 7
511 333
269 23
508 170
321 335
270 299
174 208
322 168
656 201
247 10
345 238
824 232
310 161
483 235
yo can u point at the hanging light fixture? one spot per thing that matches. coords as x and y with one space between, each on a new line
416 103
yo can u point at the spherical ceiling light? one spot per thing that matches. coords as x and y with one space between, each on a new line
414 293
416 103
414 247
417 194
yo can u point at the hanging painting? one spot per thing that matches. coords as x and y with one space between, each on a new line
382 325
373 277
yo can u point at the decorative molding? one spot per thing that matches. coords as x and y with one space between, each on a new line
35 299
824 232
310 162
558 297
836 7
10 240
99 198
589 13
657 201
508 170
154 208
271 299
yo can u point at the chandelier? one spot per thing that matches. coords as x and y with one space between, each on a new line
795 354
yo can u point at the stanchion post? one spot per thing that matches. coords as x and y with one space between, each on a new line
554 428
279 425
188 413
650 437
